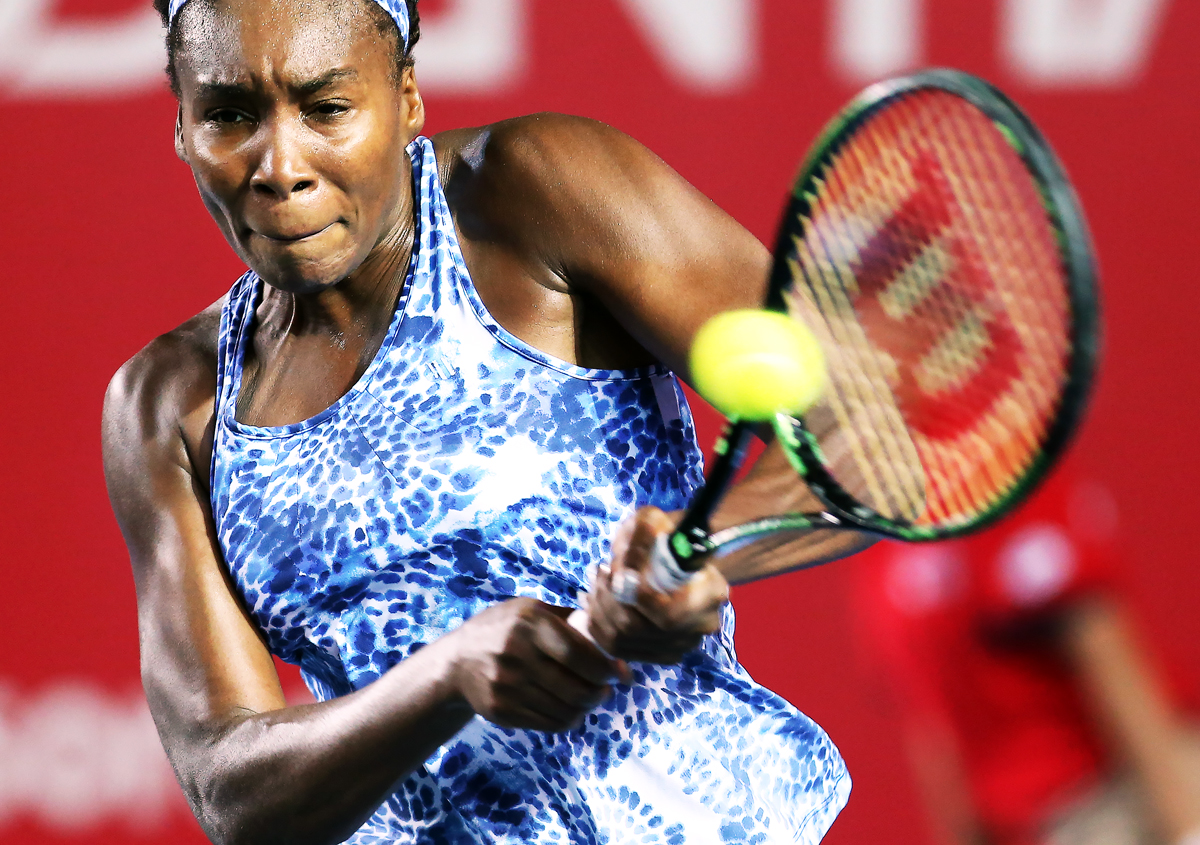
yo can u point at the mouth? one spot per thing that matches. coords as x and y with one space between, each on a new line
289 237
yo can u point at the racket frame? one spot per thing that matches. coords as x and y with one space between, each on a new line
692 541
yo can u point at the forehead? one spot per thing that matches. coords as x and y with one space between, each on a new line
238 41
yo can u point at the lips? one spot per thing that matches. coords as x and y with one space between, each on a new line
289 235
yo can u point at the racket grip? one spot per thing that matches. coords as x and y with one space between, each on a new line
665 574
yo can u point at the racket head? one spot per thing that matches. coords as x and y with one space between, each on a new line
935 246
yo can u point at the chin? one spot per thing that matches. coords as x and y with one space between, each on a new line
302 277
301 267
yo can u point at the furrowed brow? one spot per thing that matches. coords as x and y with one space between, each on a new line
223 90
312 86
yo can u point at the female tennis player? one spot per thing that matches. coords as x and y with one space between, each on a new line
396 451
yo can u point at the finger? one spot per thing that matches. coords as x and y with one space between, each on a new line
620 540
568 648
663 656
608 617
635 643
533 683
625 631
646 525
654 617
694 607
626 585
537 710
563 684
710 587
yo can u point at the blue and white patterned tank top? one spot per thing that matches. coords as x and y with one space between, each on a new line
465 468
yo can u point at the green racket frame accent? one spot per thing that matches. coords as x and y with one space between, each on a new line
1075 248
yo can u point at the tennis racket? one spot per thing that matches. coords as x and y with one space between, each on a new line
934 246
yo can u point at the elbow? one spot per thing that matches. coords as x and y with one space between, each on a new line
232 811
228 811
222 820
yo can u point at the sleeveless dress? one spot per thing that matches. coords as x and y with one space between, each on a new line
465 468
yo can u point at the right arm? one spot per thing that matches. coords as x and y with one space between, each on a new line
253 769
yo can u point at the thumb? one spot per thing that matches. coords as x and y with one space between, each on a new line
638 534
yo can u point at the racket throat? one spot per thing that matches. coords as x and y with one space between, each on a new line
691 542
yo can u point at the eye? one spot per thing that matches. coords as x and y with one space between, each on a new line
226 116
329 109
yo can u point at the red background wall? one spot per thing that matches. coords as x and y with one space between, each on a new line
105 244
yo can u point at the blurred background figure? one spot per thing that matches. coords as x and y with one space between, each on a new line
1033 711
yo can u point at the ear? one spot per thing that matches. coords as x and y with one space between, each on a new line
413 113
180 149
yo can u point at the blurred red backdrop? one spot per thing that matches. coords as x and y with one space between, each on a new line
107 245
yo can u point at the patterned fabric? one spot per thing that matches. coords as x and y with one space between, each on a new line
396 9
465 468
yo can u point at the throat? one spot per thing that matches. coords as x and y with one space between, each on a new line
296 367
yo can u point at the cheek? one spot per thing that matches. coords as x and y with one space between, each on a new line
380 170
218 171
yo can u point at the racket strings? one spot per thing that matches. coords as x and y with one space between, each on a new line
858 401
942 498
1036 299
989 469
983 195
952 481
898 453
864 395
876 482
1035 246
930 268
856 208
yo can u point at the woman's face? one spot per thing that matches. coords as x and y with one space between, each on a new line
295 126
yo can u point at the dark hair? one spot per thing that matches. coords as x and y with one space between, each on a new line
382 20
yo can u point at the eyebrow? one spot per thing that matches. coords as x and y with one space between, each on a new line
304 88
312 86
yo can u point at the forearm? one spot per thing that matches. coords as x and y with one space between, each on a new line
315 773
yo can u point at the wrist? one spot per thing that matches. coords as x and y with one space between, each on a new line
451 674
437 672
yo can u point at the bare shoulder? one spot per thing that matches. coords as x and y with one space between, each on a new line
546 138
584 209
544 154
159 405
575 196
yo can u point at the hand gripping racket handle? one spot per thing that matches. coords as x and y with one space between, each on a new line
668 571
663 575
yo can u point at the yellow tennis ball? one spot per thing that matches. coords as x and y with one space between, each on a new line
752 364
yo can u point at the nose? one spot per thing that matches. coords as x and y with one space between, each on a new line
283 169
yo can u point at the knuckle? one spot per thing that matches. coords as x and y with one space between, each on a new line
526 612
515 637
